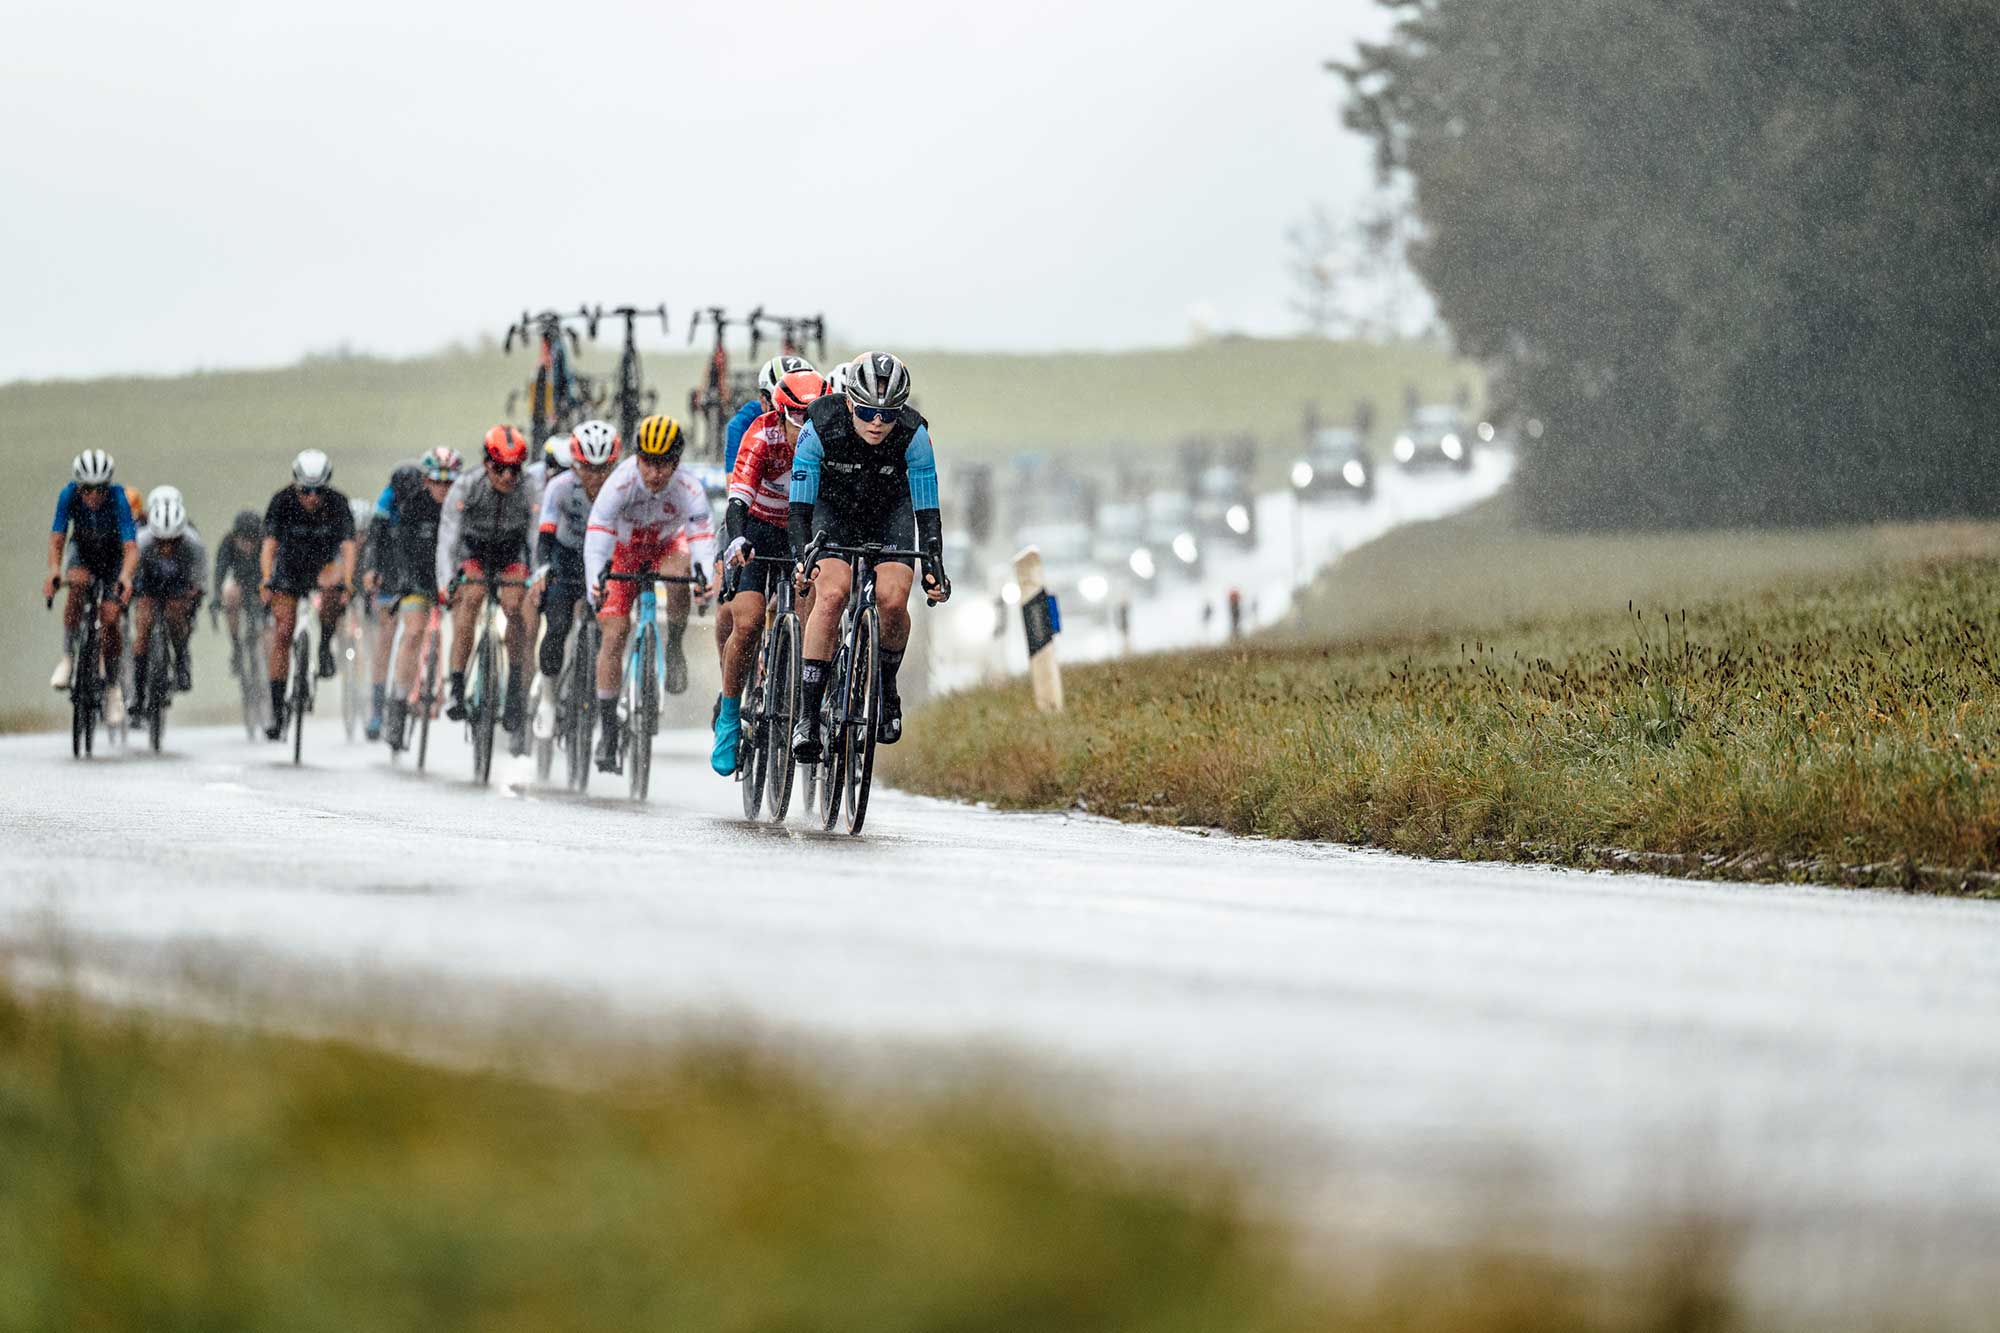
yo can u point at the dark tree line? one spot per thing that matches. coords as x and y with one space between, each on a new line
1742 257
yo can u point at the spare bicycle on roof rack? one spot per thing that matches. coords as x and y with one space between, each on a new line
711 401
630 398
558 396
794 332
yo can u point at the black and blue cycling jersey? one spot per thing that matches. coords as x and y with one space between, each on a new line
844 485
100 533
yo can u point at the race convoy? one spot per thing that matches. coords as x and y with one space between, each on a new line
546 593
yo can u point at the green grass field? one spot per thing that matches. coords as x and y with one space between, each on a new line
1798 705
163 1174
226 438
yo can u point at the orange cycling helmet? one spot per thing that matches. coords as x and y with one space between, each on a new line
504 444
797 389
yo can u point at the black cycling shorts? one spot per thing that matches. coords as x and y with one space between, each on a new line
895 526
296 571
766 539
150 582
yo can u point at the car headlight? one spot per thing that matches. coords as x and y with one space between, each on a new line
1355 474
1142 563
1452 448
978 620
1406 448
1486 432
1239 520
1093 587
1185 548
1302 474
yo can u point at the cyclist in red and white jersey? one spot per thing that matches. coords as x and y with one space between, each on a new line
759 507
647 508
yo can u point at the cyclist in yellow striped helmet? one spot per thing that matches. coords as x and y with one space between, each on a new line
661 437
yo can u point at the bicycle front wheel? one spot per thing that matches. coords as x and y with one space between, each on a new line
753 723
644 712
83 698
350 685
301 690
583 703
781 707
427 693
158 683
480 702
864 705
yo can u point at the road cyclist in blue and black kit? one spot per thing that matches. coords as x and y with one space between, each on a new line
173 566
308 547
403 579
94 521
863 472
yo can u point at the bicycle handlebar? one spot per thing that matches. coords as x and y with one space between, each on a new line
697 579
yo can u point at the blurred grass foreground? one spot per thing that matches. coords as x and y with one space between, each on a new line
162 1174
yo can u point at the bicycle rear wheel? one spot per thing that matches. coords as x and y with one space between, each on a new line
833 747
781 694
479 701
83 691
583 703
350 683
645 709
158 683
863 706
750 740
427 691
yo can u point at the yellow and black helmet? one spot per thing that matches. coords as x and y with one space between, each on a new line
660 437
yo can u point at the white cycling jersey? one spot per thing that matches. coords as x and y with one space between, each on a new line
627 513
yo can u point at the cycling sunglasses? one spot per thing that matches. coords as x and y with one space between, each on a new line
874 414
98 489
798 418
506 469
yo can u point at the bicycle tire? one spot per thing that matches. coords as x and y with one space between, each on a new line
350 695
82 692
750 741
781 694
480 703
864 696
427 694
251 680
833 737
644 709
301 691
583 704
157 683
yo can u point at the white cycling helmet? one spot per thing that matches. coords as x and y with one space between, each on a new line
362 511
879 380
159 493
776 369
595 443
165 514
837 381
312 469
92 467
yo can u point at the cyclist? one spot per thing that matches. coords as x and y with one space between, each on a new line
484 532
172 564
407 516
237 567
565 517
863 471
759 494
767 380
308 546
651 515
105 550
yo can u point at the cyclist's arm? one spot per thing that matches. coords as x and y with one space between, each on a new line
385 503
60 532
348 554
806 461
131 569
543 543
597 546
197 556
744 479
267 559
700 528
450 520
223 556
921 463
128 532
732 434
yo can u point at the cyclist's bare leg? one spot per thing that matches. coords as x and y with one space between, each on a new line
385 636
892 596
110 613
416 616
142 618
739 654
75 581
830 585
514 605
464 620
332 600
232 609
616 629
284 618
677 599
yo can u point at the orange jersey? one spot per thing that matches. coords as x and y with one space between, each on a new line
138 505
763 475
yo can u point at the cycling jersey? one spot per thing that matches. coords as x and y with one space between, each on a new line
732 434
628 517
761 478
309 537
171 573
238 560
834 468
491 525
407 522
565 514
100 534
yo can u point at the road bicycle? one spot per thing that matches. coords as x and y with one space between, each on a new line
629 396
576 706
357 636
253 655
708 403
852 703
485 691
555 395
423 697
156 677
86 679
640 684
794 331
764 764
303 686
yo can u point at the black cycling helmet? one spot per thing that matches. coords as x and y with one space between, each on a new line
247 524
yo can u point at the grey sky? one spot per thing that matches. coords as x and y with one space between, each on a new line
216 183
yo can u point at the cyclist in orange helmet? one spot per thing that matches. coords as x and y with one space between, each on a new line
484 532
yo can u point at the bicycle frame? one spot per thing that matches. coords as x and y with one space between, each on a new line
480 713
87 677
643 676
556 393
708 404
764 749
631 397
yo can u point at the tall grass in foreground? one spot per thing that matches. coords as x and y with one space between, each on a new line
1851 725
156 1174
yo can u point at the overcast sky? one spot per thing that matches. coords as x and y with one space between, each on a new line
209 183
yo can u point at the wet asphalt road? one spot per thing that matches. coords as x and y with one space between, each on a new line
1806 1054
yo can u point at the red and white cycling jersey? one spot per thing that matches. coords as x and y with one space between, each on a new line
763 475
627 518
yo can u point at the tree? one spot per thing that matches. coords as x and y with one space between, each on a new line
1314 265
1743 260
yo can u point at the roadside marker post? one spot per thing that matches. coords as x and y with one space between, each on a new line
1041 617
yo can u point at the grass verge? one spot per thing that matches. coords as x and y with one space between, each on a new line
1845 733
162 1174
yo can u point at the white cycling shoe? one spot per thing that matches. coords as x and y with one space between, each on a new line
59 680
114 707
